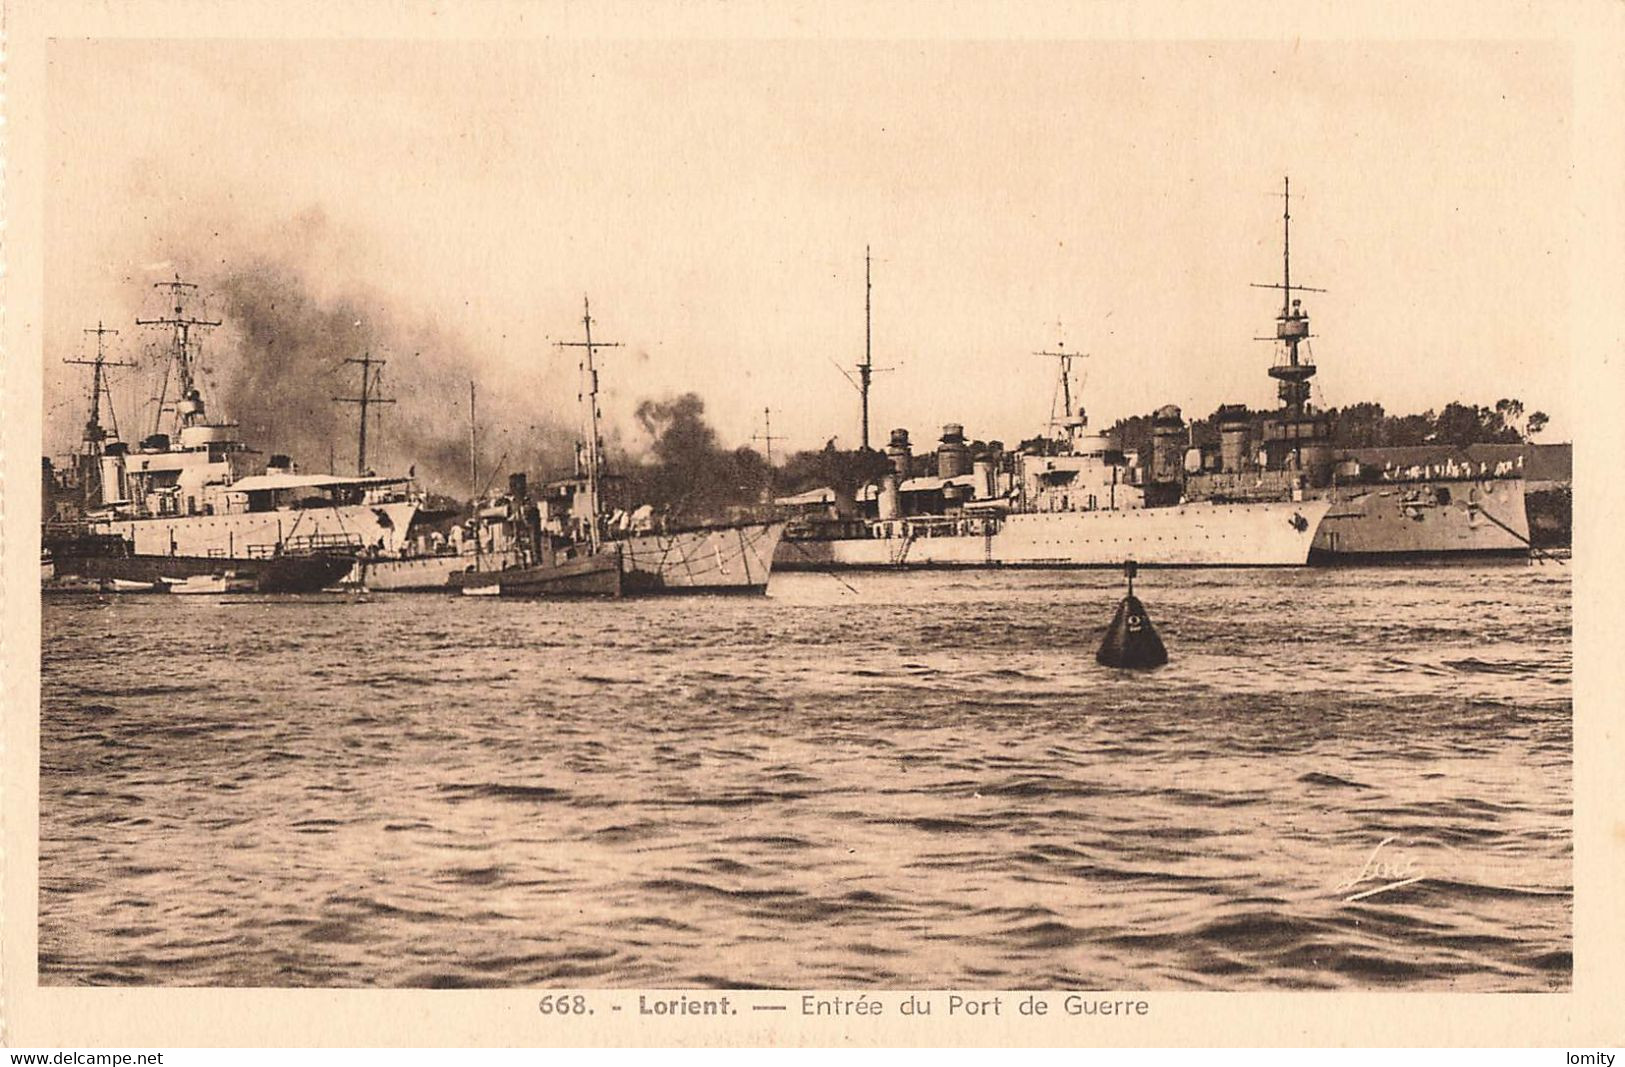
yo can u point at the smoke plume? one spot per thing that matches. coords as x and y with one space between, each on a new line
278 367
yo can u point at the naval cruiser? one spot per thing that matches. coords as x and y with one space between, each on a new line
1079 502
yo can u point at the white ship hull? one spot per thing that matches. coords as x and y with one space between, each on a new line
720 559
369 525
1269 534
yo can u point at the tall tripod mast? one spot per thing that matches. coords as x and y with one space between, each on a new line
589 396
1066 359
95 435
180 352
368 397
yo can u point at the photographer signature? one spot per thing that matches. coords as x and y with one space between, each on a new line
1394 870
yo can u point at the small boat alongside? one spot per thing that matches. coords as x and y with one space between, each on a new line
208 584
591 575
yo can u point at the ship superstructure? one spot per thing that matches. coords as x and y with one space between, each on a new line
1456 505
1075 499
570 544
195 489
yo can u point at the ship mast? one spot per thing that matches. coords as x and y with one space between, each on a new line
866 369
95 435
1066 358
189 410
589 396
1292 324
368 397
767 437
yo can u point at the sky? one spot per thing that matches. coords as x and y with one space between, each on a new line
715 199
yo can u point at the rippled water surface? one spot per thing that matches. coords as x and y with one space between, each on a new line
894 781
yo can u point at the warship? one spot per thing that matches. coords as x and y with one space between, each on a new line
1072 500
568 546
1079 505
1386 505
187 503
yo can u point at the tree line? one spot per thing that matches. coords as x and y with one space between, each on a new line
1369 425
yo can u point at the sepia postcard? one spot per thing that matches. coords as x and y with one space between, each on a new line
572 524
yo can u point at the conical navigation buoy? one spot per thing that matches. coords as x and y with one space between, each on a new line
1131 641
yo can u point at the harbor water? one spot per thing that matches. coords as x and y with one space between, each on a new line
1343 779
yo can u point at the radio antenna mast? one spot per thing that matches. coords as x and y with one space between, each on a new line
1292 324
1066 358
767 438
589 396
368 397
180 353
94 433
867 369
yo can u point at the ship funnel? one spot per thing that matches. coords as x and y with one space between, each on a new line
1235 430
982 468
901 454
1167 444
953 455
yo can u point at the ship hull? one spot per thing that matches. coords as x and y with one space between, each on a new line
278 574
713 560
378 526
1268 534
426 574
721 559
597 575
1430 520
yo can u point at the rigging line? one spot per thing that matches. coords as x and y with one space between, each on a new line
808 556
745 547
1482 510
1481 481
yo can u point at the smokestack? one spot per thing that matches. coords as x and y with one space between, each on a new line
953 455
1234 431
1167 444
900 454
